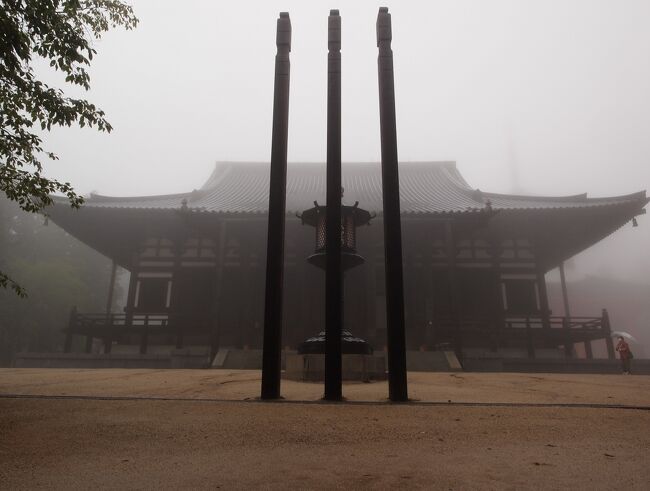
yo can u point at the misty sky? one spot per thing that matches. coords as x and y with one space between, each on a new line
538 97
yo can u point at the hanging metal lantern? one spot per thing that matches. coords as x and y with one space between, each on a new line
351 218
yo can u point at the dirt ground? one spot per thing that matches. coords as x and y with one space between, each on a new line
206 430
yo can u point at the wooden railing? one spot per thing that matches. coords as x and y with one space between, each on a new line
521 322
561 330
536 329
109 327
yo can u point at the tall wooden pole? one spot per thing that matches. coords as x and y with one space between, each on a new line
396 342
271 358
333 271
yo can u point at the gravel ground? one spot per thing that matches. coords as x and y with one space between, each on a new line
211 437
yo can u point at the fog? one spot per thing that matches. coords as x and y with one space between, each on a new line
529 97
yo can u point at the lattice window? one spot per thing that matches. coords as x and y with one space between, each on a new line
199 248
517 249
157 247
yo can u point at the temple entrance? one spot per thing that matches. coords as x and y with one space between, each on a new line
194 292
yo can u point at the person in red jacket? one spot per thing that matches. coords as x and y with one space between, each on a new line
624 352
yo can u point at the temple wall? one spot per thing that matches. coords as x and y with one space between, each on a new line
451 271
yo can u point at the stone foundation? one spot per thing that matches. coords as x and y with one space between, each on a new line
311 368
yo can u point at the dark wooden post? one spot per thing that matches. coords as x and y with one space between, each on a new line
529 339
589 353
271 357
456 306
568 345
545 311
89 343
333 271
130 299
567 311
130 304
565 295
111 288
72 322
144 340
498 317
396 342
218 289
109 305
568 348
180 339
611 354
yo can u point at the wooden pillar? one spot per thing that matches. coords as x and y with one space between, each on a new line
130 304
89 343
607 328
243 284
568 347
565 295
370 292
180 340
272 349
218 289
589 353
397 384
72 323
456 306
109 306
111 288
176 314
543 298
144 340
529 339
431 339
418 292
497 307
130 298
108 344
333 270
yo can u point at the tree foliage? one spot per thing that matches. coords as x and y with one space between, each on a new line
58 270
61 32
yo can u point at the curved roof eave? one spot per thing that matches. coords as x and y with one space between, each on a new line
435 188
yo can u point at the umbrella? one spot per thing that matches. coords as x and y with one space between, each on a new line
624 334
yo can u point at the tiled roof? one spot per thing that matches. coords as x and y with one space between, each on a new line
425 187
